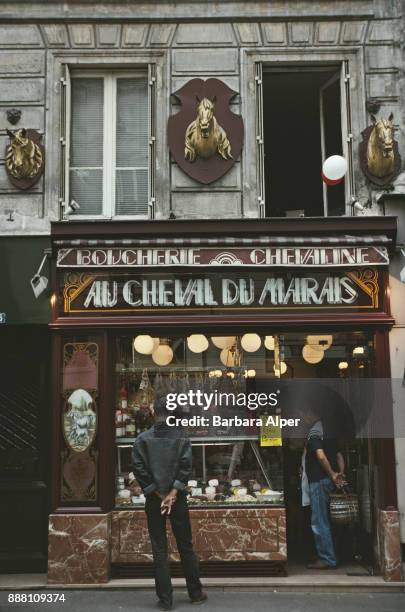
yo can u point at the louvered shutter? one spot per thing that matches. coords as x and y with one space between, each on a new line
131 162
86 144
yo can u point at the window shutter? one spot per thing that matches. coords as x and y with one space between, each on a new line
260 138
131 178
64 123
86 149
152 139
347 132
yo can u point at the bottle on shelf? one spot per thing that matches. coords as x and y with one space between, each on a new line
119 424
123 397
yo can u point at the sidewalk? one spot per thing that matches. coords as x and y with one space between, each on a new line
299 579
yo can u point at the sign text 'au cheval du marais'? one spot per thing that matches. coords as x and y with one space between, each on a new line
123 280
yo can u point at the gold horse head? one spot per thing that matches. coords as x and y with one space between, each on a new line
23 157
204 135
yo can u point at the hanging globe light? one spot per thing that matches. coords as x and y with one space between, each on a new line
343 365
163 354
250 373
227 357
311 354
251 342
269 343
197 343
145 345
320 343
282 369
222 342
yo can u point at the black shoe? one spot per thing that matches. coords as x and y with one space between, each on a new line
164 606
200 599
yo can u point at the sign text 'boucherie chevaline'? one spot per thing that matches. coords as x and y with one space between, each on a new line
280 256
258 290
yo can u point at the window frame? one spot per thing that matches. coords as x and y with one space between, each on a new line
351 60
110 78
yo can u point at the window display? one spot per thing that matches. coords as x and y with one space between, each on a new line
229 464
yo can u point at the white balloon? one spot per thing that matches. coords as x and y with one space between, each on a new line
334 167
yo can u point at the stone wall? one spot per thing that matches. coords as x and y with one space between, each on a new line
212 43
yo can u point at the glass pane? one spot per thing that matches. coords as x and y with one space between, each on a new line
86 188
79 422
131 192
87 123
132 123
250 463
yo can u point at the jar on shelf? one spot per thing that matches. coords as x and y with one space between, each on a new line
130 427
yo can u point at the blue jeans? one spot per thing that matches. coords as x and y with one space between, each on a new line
320 523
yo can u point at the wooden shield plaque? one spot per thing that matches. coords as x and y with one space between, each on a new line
224 127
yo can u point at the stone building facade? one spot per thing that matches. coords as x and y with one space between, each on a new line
178 41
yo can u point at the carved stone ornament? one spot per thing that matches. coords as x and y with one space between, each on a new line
13 115
380 160
25 158
205 136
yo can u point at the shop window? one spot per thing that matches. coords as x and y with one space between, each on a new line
303 118
107 145
238 464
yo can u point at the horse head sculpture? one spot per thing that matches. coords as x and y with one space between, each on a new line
380 149
24 159
204 136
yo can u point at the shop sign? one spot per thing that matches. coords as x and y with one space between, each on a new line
272 256
125 293
270 435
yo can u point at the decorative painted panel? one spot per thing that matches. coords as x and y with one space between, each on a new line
79 421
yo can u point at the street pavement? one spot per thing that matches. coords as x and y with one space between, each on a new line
92 600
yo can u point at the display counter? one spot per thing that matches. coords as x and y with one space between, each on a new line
219 534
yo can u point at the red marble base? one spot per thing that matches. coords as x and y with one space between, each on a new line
79 548
389 544
218 535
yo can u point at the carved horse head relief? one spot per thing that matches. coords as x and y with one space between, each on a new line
204 136
380 149
24 159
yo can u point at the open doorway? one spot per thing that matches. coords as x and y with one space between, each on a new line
302 127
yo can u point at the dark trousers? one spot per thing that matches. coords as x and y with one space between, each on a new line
181 527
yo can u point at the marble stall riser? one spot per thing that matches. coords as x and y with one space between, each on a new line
389 543
79 549
218 535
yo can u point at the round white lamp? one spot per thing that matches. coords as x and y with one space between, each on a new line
269 343
145 345
222 342
197 343
163 355
283 368
227 357
312 355
251 342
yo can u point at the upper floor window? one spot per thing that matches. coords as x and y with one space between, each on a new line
108 144
303 119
